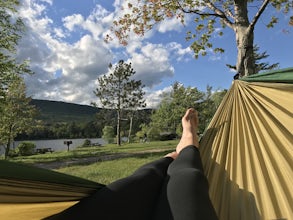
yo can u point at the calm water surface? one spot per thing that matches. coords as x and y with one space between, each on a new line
57 144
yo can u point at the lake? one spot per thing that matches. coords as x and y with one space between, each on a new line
56 144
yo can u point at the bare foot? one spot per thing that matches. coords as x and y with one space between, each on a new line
190 127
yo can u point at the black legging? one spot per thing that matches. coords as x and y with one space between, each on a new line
163 189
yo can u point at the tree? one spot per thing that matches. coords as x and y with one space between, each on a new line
209 106
118 91
25 148
108 134
74 130
217 97
239 15
11 28
106 117
259 66
17 113
91 129
136 119
168 116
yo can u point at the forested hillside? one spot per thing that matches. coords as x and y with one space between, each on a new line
67 120
54 111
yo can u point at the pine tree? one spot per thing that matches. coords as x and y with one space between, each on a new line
119 92
259 66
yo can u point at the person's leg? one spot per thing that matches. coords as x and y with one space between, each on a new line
187 189
133 197
185 193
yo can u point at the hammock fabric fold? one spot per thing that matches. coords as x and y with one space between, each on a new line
32 193
247 153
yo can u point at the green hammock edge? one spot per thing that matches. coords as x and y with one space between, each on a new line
277 76
20 171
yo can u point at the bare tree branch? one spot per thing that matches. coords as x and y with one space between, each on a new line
221 14
198 12
229 13
258 14
218 13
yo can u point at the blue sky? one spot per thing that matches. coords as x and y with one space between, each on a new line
65 45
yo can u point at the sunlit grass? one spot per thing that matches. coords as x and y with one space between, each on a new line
96 152
108 171
117 162
63 155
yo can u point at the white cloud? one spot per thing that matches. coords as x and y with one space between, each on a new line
68 58
79 64
133 46
94 23
212 56
73 20
179 52
59 33
152 64
50 2
153 98
172 24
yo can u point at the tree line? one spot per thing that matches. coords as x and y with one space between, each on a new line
165 119
77 129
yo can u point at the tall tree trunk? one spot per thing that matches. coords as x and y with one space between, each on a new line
244 39
118 127
130 128
245 60
7 149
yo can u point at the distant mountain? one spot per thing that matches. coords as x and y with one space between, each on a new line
55 111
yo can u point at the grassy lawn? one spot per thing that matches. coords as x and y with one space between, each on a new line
120 161
108 171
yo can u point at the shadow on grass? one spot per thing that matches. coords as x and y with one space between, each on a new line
100 158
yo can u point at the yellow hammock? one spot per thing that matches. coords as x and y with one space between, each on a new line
31 193
247 152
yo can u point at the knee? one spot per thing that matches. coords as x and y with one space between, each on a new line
189 177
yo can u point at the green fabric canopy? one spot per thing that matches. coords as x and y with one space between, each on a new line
26 172
28 192
20 183
276 76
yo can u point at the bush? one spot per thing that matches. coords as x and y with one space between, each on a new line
87 143
108 134
153 134
12 153
26 149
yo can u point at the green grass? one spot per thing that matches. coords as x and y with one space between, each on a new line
108 171
123 160
96 152
63 155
